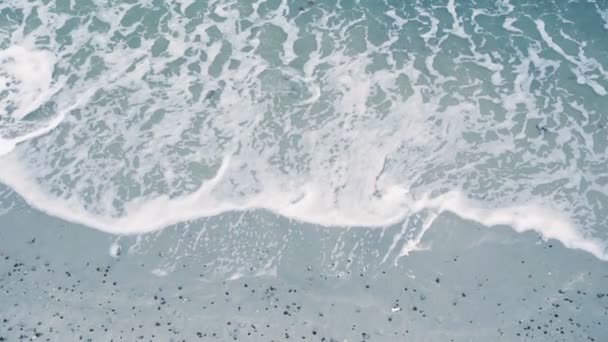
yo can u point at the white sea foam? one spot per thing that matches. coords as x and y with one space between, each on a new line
604 14
352 128
115 250
508 25
6 146
548 223
30 71
583 65
26 84
457 27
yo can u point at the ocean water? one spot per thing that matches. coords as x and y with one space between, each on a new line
330 170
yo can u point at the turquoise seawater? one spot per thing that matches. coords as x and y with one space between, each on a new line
327 169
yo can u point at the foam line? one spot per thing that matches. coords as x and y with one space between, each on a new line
162 212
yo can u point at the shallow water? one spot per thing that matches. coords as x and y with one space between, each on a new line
344 150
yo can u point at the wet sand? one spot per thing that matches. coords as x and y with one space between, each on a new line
257 277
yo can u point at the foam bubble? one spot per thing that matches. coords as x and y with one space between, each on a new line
115 250
604 15
26 76
6 146
26 84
